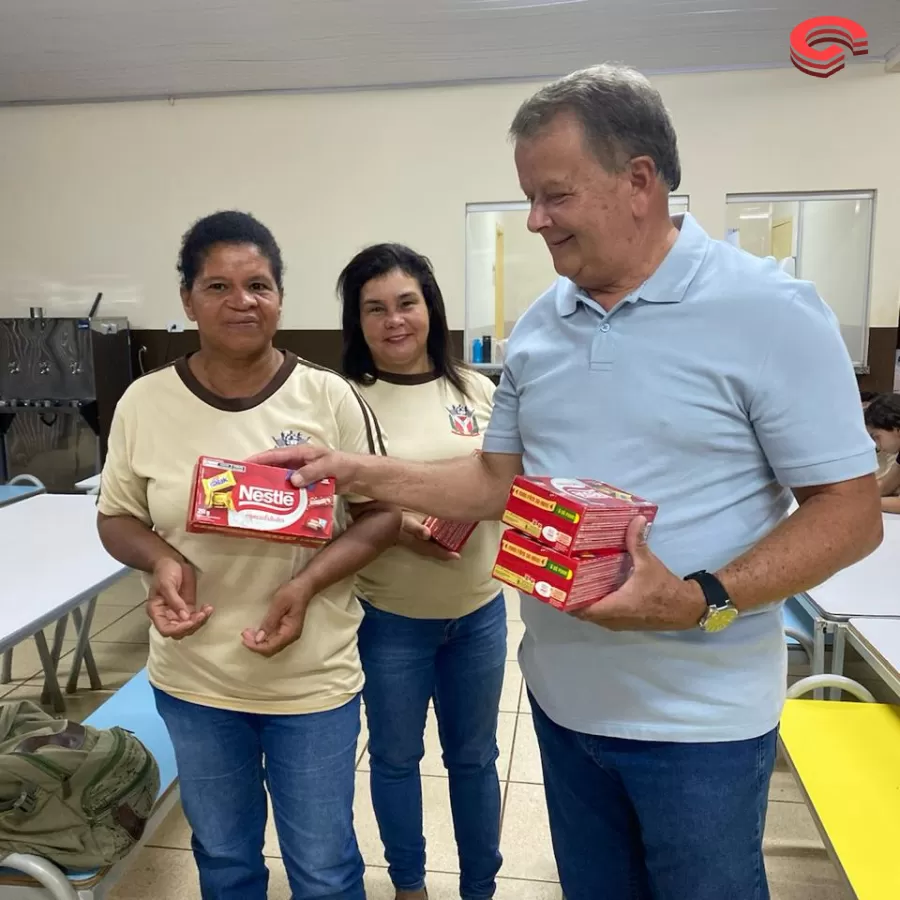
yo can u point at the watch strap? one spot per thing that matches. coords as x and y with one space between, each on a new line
713 589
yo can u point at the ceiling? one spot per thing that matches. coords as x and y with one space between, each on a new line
71 50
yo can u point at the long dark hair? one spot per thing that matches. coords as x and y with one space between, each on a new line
373 262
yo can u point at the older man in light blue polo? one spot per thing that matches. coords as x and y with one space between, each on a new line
686 371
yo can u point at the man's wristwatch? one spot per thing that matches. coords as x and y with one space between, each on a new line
720 611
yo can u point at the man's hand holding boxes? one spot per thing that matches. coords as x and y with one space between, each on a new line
566 541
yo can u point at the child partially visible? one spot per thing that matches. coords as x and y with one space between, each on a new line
866 397
885 460
882 416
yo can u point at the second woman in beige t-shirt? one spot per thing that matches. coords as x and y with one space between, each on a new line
435 623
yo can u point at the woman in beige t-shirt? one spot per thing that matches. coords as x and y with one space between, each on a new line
253 655
435 622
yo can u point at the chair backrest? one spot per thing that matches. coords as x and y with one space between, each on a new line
133 707
27 479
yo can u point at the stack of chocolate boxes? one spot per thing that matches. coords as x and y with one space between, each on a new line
566 541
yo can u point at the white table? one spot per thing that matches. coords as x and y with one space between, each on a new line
878 642
53 563
867 589
89 485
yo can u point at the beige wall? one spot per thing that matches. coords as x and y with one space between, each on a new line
96 197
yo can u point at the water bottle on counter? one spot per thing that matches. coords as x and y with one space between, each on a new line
486 354
477 351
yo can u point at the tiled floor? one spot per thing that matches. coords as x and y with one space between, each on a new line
796 860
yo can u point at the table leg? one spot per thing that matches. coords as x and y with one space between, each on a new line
59 636
51 693
837 658
820 626
89 664
83 652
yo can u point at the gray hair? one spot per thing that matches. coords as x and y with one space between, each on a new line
622 114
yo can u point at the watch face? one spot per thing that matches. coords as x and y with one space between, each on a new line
719 619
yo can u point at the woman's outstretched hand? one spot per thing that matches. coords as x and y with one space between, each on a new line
172 600
283 623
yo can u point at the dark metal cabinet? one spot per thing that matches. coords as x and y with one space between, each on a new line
60 380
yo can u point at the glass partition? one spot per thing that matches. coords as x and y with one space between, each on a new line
507 269
823 238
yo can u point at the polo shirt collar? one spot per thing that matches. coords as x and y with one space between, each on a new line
670 281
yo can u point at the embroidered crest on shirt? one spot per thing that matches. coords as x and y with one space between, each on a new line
462 420
291 438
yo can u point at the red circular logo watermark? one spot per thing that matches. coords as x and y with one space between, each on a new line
822 63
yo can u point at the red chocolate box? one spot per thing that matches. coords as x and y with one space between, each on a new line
574 515
451 536
247 500
565 582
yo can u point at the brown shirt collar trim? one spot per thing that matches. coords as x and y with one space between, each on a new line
235 404
418 378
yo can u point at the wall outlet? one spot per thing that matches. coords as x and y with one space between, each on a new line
173 327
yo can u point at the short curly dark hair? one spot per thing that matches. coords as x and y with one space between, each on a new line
226 227
883 413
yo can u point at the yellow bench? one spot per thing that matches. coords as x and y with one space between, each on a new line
846 757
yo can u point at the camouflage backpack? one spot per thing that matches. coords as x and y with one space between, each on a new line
76 795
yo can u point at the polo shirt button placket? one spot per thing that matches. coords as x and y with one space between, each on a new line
601 349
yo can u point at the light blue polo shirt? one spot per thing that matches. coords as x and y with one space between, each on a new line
717 386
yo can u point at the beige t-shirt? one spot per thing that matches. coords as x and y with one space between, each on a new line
428 419
163 423
885 462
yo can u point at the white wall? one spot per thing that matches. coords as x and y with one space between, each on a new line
96 197
529 266
481 241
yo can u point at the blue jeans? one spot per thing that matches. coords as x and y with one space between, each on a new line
226 760
635 820
460 663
